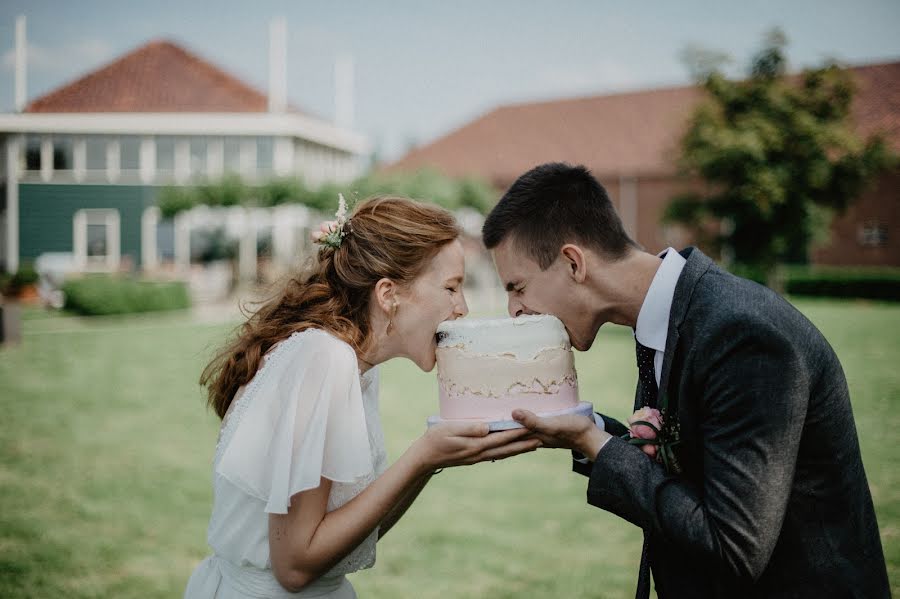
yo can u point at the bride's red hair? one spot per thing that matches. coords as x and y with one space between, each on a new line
393 238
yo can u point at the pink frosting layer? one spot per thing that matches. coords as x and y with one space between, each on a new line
478 407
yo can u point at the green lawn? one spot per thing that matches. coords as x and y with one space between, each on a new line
105 451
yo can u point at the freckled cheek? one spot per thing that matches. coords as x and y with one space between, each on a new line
440 306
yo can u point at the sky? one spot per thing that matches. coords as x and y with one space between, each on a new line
423 69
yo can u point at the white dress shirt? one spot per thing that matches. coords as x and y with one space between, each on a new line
652 326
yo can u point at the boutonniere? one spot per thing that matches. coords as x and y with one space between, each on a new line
656 435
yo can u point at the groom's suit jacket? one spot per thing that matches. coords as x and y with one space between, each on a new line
772 500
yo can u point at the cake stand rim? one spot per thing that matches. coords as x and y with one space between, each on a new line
584 408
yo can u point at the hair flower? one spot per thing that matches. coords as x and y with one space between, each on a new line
331 233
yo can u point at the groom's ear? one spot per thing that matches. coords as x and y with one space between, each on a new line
574 260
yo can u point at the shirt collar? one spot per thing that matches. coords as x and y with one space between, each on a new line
652 326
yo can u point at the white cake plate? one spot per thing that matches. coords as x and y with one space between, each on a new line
583 408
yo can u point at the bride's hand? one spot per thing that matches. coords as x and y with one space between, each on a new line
463 443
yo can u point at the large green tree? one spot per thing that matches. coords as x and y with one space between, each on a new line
778 155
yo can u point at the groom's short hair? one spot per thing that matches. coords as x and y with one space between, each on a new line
554 204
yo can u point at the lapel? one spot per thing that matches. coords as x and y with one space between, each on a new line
697 264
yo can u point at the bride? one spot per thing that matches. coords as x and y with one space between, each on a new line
301 487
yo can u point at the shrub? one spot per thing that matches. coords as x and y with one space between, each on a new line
173 200
426 185
876 284
755 274
96 295
13 285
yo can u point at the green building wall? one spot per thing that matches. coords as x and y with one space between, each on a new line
47 211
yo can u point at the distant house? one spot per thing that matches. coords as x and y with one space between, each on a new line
81 166
630 142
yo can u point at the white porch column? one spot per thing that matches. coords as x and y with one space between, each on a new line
215 158
113 240
247 249
183 242
283 159
21 63
182 160
628 206
79 239
46 158
13 148
278 65
113 160
283 230
79 158
149 249
148 159
248 157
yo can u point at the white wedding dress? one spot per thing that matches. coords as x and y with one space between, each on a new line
306 414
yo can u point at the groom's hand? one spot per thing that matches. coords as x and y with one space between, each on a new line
569 431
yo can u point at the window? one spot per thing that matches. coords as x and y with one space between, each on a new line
96 239
33 153
96 242
95 153
165 154
264 153
62 154
873 233
198 156
232 154
130 153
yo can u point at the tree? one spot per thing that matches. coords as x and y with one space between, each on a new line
778 156
427 185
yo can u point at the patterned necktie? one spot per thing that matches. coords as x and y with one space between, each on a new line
649 394
646 374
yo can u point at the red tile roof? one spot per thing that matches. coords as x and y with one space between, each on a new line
628 134
157 77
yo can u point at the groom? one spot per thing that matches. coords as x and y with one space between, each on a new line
762 492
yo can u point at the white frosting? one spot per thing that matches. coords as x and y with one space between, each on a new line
528 336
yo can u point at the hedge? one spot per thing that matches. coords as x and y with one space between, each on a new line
876 283
96 295
864 284
426 185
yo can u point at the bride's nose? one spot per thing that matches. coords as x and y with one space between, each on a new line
461 308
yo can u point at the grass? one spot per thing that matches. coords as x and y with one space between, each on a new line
105 452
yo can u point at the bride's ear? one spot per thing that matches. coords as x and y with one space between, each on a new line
385 294
574 260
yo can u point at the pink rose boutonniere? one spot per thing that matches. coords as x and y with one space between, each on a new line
649 431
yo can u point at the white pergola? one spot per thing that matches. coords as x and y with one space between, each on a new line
289 225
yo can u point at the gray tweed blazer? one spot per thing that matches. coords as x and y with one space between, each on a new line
773 499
